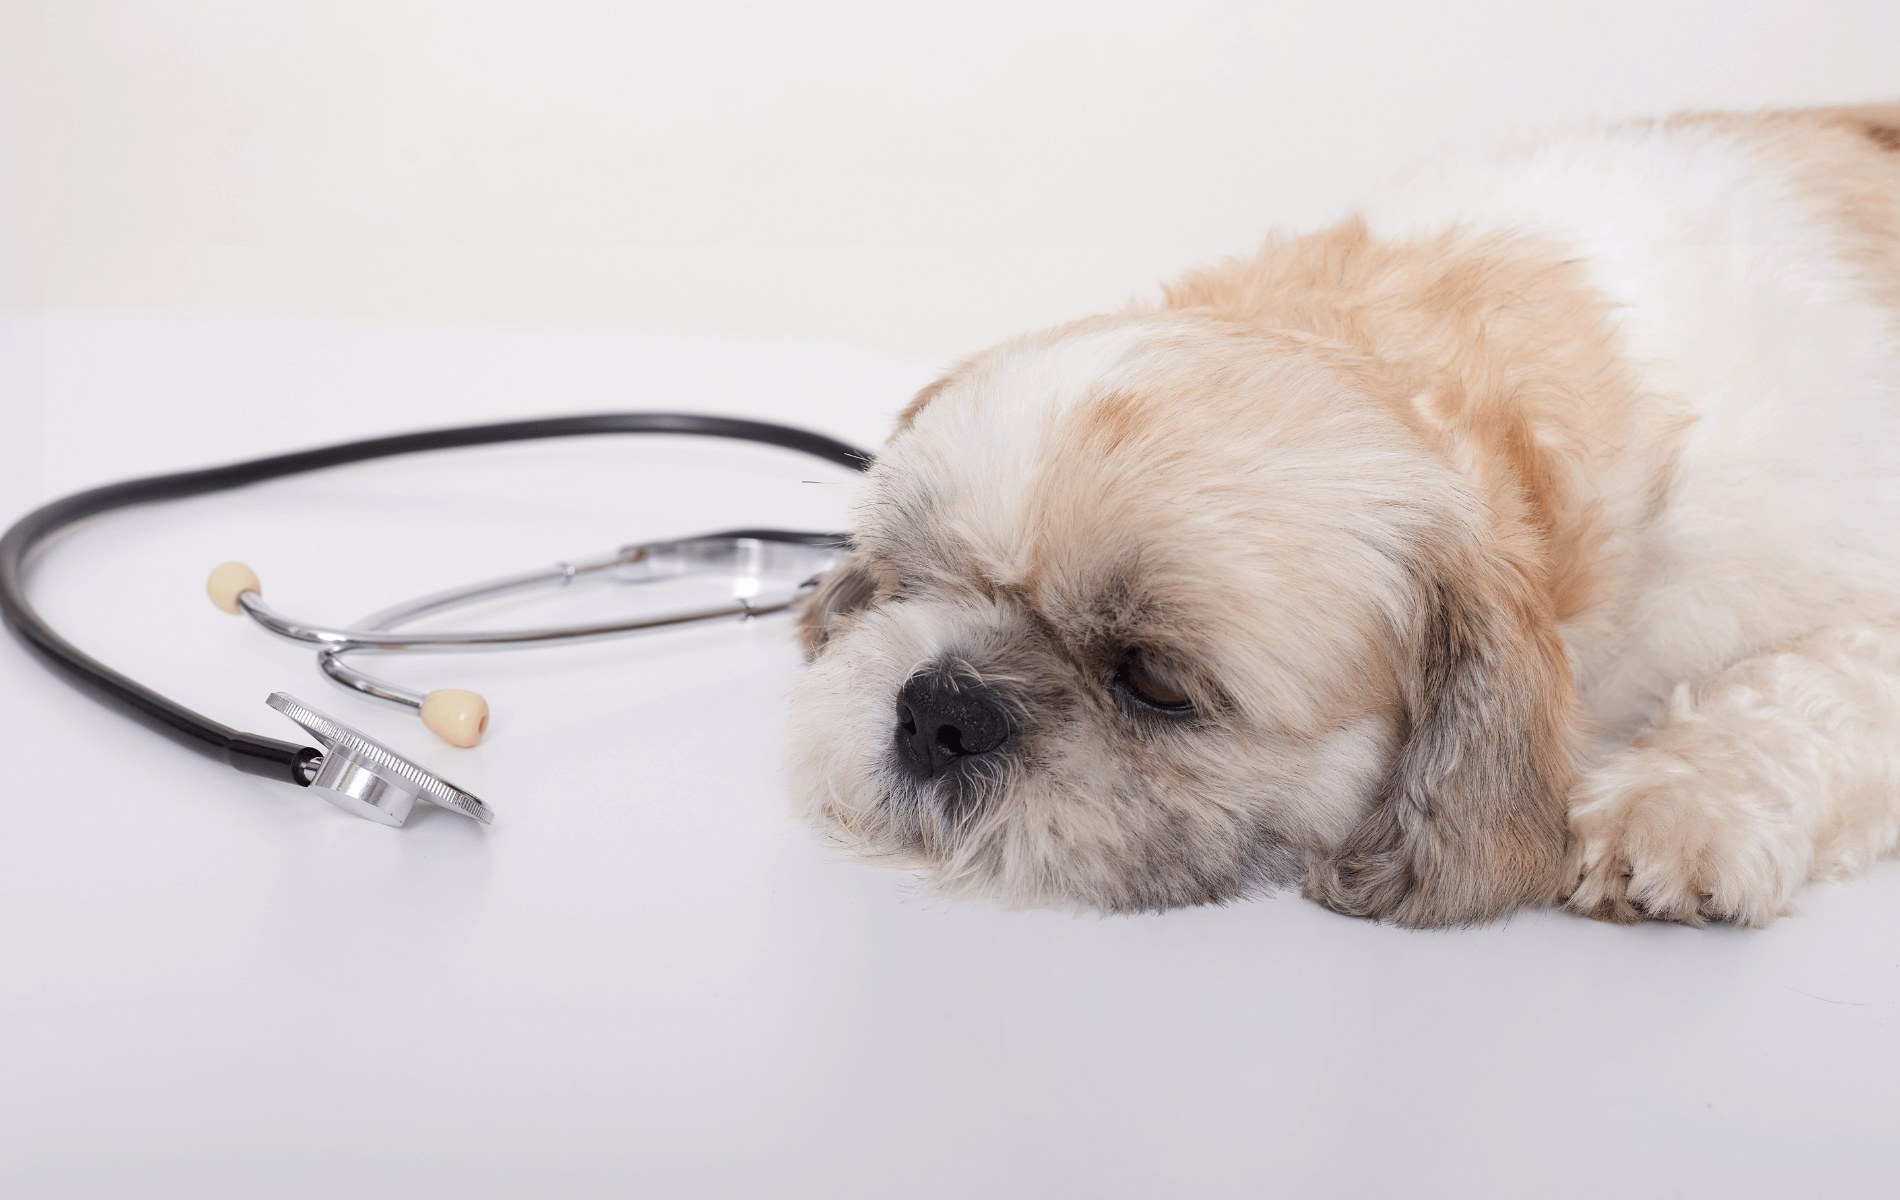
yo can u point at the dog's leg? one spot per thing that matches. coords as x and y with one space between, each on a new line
1781 769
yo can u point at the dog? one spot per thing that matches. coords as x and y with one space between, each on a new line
1531 537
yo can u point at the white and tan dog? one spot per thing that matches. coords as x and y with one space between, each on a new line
1535 536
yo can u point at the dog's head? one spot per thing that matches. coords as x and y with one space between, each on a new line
1164 610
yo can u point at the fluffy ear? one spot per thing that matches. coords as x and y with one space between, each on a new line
841 591
1471 821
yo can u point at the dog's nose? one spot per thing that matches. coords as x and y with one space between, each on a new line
944 723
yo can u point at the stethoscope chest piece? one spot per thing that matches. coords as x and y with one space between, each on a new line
360 775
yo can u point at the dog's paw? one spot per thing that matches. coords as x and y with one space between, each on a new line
1661 835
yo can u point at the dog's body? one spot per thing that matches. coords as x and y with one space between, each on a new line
1536 535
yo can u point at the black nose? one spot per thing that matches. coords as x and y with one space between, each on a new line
944 724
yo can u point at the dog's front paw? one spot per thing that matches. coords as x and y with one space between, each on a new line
1684 834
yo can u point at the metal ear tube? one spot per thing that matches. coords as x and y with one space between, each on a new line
767 568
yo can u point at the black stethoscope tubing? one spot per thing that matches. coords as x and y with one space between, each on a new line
250 752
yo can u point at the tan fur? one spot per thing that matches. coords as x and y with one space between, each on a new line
1846 161
1500 345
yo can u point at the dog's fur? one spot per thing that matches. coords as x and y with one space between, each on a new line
1534 536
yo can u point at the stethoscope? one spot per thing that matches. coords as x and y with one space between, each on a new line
767 570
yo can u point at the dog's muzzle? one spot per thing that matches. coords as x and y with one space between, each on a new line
947 727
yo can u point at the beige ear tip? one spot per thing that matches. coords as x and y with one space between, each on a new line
457 717
229 581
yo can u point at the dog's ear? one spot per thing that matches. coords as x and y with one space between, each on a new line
1470 823
845 589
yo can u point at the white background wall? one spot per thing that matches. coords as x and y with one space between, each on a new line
921 178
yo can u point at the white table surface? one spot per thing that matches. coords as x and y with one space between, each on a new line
645 978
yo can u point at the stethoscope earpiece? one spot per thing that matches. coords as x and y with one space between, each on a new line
458 717
229 581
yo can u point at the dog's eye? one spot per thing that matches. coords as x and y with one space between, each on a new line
1151 684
